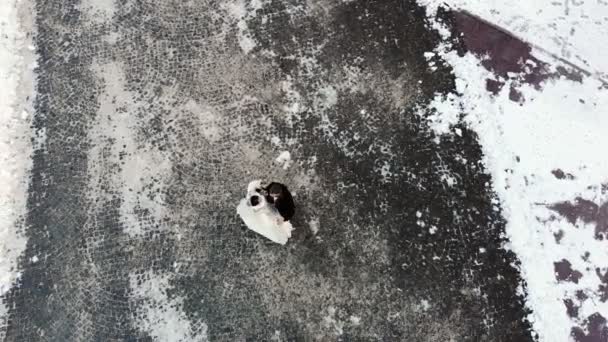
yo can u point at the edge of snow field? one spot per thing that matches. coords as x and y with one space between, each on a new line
17 63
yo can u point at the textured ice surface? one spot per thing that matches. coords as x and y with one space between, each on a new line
154 113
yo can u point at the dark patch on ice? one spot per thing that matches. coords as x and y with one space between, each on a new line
515 95
586 256
560 174
558 236
494 86
570 74
582 209
603 287
506 55
564 272
571 308
594 330
586 211
601 228
581 295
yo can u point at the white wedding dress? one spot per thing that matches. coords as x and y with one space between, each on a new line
263 218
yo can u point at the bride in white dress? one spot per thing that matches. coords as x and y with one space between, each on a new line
261 216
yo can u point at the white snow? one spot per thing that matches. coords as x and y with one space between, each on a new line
160 314
355 320
16 82
575 30
143 169
241 12
314 225
275 140
425 305
98 10
262 218
329 95
293 100
563 126
284 159
332 323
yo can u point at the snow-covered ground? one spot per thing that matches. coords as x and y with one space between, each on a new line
15 149
545 152
16 84
572 30
160 314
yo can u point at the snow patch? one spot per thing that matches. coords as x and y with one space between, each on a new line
560 127
314 225
446 113
329 96
425 305
294 103
99 10
17 60
284 159
142 169
355 320
161 315
568 29
331 322
275 141
241 12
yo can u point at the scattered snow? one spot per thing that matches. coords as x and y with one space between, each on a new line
242 13
143 169
331 322
314 225
563 126
385 170
425 304
329 96
284 159
262 218
446 113
275 141
246 42
294 105
161 315
99 10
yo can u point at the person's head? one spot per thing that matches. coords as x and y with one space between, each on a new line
275 190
